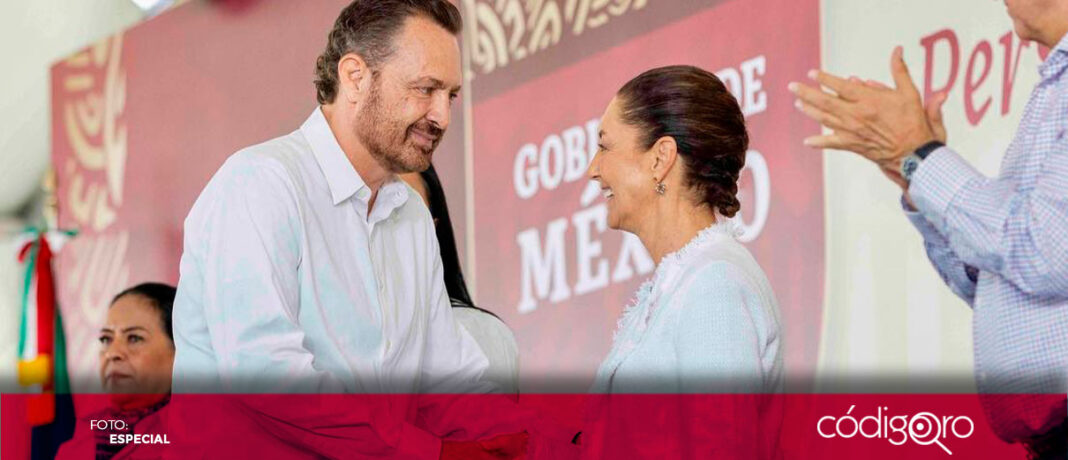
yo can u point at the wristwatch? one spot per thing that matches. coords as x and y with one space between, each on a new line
911 163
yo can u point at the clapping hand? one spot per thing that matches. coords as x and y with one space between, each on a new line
880 123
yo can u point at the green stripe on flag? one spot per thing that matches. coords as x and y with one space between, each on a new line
60 380
27 283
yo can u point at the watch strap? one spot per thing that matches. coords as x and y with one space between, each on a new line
927 148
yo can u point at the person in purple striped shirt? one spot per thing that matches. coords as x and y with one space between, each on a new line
1000 243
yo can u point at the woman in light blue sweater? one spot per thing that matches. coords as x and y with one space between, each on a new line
672 145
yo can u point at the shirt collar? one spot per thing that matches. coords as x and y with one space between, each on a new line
395 192
1056 61
342 178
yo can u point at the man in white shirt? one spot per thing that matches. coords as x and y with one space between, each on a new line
309 267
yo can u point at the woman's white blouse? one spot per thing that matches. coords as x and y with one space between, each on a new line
707 322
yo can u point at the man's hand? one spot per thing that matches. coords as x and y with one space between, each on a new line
933 109
505 446
882 124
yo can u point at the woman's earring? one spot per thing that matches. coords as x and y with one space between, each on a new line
660 188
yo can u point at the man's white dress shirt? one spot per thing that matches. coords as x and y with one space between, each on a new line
289 285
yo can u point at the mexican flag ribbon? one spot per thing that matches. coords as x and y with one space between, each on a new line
42 349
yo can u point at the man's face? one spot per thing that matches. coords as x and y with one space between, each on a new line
1029 17
407 110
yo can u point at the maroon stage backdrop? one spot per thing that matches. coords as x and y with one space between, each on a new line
142 119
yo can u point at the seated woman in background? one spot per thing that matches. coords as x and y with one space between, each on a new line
493 336
136 359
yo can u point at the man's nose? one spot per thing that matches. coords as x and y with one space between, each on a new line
440 111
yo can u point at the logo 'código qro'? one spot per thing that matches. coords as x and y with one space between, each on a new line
922 428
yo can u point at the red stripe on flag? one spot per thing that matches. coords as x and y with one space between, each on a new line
45 304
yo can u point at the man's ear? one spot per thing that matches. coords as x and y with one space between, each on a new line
353 78
665 152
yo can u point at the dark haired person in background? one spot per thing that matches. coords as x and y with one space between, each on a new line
136 358
672 145
493 336
137 345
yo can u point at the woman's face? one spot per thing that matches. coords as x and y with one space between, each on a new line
136 355
625 170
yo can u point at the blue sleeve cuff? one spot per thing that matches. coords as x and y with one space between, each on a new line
937 181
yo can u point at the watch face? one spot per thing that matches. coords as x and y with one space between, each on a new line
908 166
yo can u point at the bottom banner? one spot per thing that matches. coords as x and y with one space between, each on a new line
801 426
